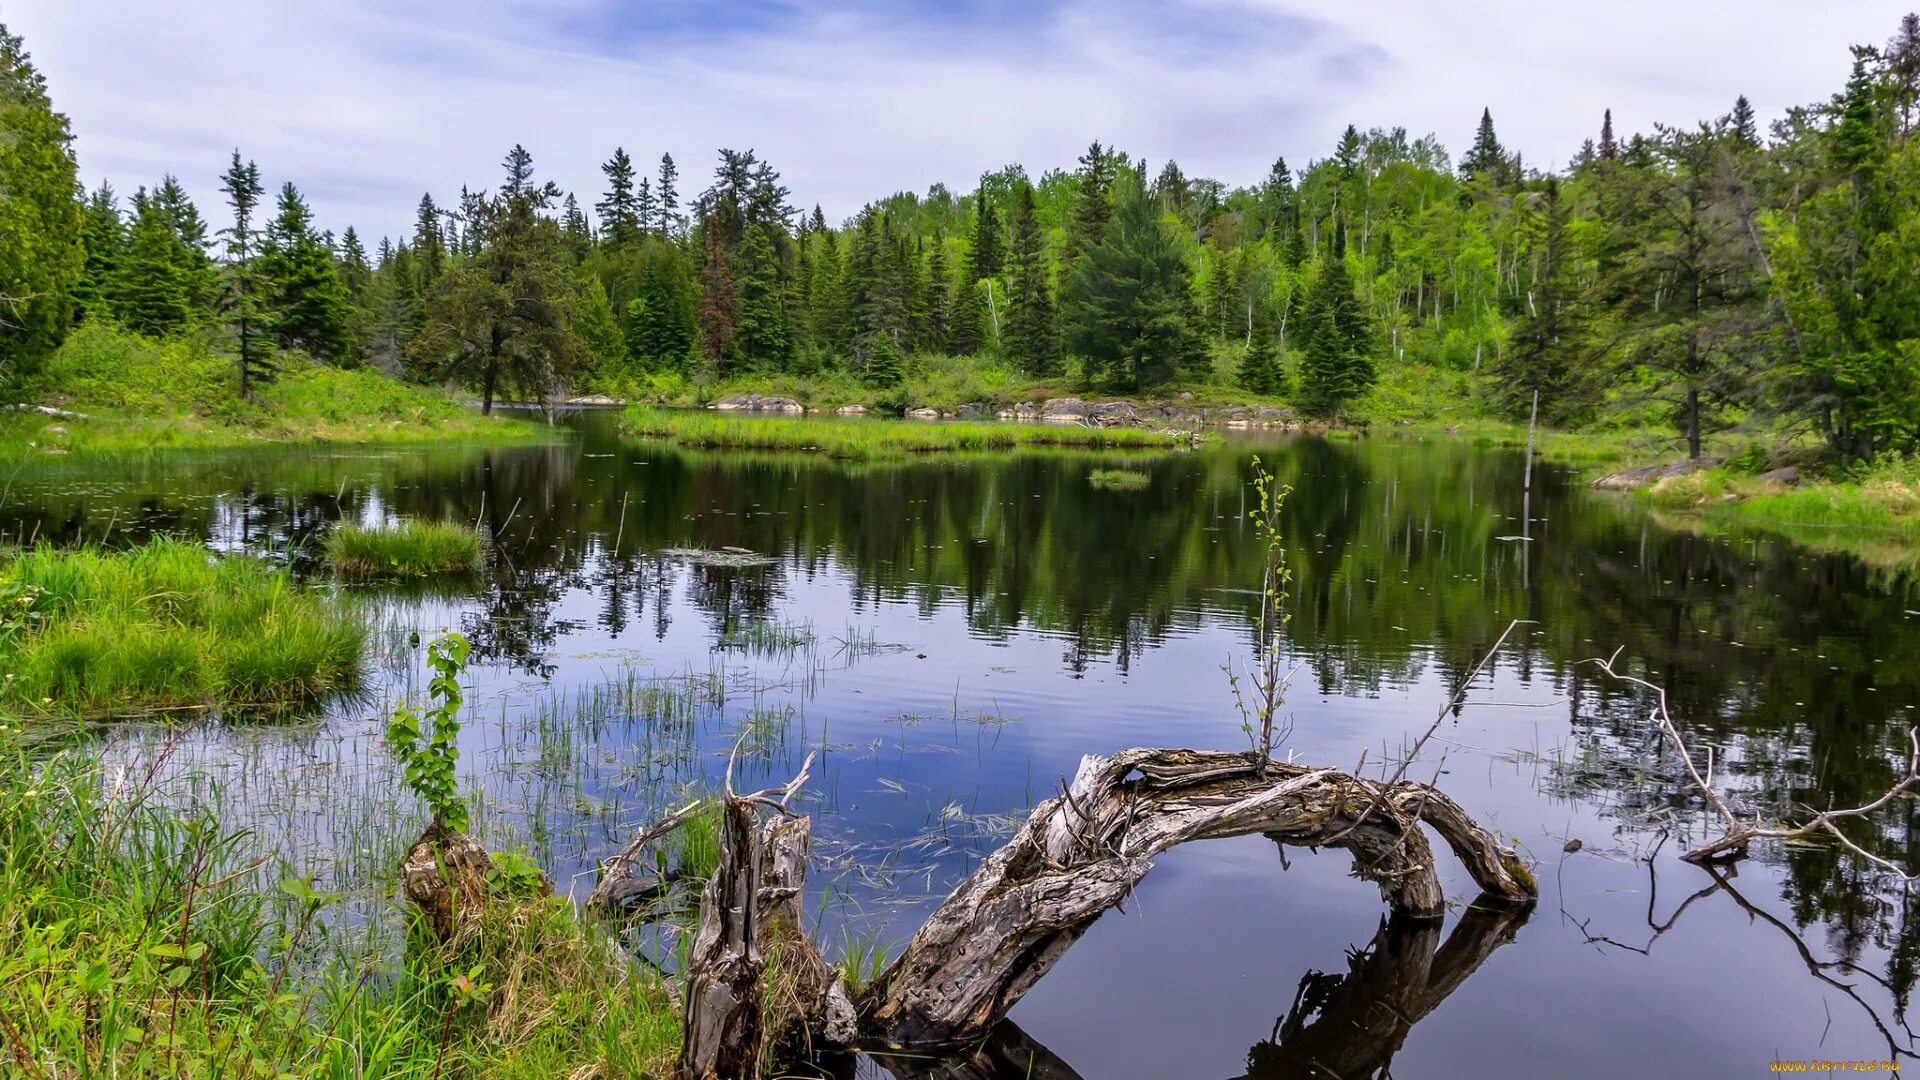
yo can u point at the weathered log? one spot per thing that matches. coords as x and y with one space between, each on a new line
722 1032
623 879
1083 852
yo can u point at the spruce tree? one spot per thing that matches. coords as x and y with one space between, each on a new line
668 195
939 300
1032 338
1742 126
1336 363
660 318
104 235
1609 146
1548 355
42 256
244 287
1126 307
429 242
1487 160
826 317
154 294
620 220
764 339
719 308
1091 206
1259 371
306 302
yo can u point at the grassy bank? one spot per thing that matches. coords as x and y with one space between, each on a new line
131 393
860 440
140 936
164 626
404 549
1883 498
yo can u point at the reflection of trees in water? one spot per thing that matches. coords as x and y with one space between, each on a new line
1345 1024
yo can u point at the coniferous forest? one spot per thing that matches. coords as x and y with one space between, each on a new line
1704 274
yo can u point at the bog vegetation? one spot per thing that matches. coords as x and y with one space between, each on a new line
404 549
860 440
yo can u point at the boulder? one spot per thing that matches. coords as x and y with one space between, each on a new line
852 410
1113 413
923 413
1629 479
973 410
1064 410
1786 475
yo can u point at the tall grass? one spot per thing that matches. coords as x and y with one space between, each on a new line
865 439
141 937
404 549
165 625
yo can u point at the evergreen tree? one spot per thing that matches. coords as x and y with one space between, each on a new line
507 318
1609 147
1126 307
1487 160
307 305
155 292
1548 355
42 256
972 306
939 299
885 366
826 317
203 278
1032 339
104 235
1259 371
244 287
576 231
1337 338
1742 126
620 211
660 318
1092 206
668 195
605 357
429 243
765 341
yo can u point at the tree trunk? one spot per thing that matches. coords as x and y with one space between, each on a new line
1082 853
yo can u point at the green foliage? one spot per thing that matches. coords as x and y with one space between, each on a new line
308 305
1259 370
164 625
1268 685
407 548
1127 302
426 743
42 258
1120 479
863 439
1337 339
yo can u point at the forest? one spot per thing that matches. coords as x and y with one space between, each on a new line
1706 275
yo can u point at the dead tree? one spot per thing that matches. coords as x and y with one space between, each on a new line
1083 852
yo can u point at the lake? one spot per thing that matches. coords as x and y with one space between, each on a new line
950 635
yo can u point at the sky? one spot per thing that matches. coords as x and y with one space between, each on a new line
365 104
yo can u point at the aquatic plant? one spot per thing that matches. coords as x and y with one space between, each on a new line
427 743
864 439
166 626
404 549
1119 479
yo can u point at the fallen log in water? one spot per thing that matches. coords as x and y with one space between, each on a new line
1083 852
1009 922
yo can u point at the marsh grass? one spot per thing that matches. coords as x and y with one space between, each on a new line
1119 479
404 549
142 936
860 440
165 626
1880 499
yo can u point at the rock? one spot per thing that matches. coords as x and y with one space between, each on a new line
972 410
1786 475
758 403
1273 416
923 414
1064 410
594 399
1186 395
852 410
1629 479
1113 413
55 431
1026 410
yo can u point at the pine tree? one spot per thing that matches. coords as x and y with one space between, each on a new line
1742 126
1487 159
155 292
1903 67
1032 339
1126 307
1336 364
244 286
885 365
1548 354
519 169
104 235
1609 147
660 318
620 211
306 306
1259 371
429 242
1091 207
42 256
668 195
764 338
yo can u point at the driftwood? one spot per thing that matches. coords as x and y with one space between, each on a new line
1083 852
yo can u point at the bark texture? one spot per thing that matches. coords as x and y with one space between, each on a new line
1083 852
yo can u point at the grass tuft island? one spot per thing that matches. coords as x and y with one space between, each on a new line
866 439
405 549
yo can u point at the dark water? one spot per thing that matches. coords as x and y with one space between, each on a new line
977 625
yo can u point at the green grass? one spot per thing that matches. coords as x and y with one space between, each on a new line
142 937
164 626
404 549
860 440
1119 479
134 393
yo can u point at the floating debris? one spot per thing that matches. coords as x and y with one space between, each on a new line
733 557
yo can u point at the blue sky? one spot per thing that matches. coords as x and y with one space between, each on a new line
367 103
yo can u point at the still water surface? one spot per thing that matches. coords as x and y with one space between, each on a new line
951 635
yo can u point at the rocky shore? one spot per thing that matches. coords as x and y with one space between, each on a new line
1060 410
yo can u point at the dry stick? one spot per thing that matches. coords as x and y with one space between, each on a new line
1739 835
622 531
1408 759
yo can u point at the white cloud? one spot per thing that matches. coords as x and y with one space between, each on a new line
366 104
